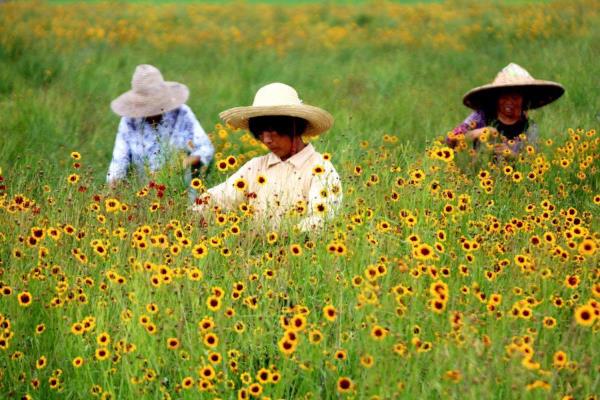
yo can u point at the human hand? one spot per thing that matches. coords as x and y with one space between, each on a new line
452 138
191 160
502 149
492 131
482 133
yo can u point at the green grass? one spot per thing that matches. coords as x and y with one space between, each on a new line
392 95
283 2
274 2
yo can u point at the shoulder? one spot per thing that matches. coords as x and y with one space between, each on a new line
185 117
128 126
254 165
317 159
320 158
478 116
531 126
185 111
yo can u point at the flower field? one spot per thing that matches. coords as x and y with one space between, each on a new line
442 276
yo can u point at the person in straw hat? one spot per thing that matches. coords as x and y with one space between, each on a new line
155 122
501 111
293 179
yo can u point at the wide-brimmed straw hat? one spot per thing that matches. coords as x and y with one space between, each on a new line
150 94
513 77
281 100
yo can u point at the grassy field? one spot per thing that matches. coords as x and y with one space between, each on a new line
286 2
274 2
441 276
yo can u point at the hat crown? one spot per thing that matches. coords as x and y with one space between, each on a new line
513 73
147 79
276 94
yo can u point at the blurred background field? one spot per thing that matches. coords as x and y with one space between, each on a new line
280 2
378 67
439 277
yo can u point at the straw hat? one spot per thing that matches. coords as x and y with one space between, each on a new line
150 94
536 92
279 99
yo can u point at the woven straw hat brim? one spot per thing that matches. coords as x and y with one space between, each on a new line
134 105
319 120
537 93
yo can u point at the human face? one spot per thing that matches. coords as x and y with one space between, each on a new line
280 145
154 119
510 106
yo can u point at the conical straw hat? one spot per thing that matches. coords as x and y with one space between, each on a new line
150 94
513 77
279 99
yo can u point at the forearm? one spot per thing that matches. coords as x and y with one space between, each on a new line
192 161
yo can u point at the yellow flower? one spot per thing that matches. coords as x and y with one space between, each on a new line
255 389
222 165
211 340
287 346
73 179
272 237
423 252
330 313
344 385
240 184
25 299
559 360
367 361
378 332
539 384
172 343
199 251
194 274
196 184
263 375
587 247
77 328
102 353
296 250
261 179
213 303
77 362
585 315
103 339
318 169
112 205
297 323
187 382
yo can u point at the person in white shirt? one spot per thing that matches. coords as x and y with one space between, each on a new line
155 124
293 180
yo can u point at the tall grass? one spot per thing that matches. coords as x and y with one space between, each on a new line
517 254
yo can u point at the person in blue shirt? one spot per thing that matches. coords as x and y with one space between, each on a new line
155 124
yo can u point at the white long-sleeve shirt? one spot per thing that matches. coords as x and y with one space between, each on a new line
274 188
140 144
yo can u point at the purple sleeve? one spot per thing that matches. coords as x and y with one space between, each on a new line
475 120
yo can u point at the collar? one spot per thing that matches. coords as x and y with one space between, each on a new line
297 160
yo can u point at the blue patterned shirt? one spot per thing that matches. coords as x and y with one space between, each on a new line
141 145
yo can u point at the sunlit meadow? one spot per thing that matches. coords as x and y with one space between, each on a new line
444 275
